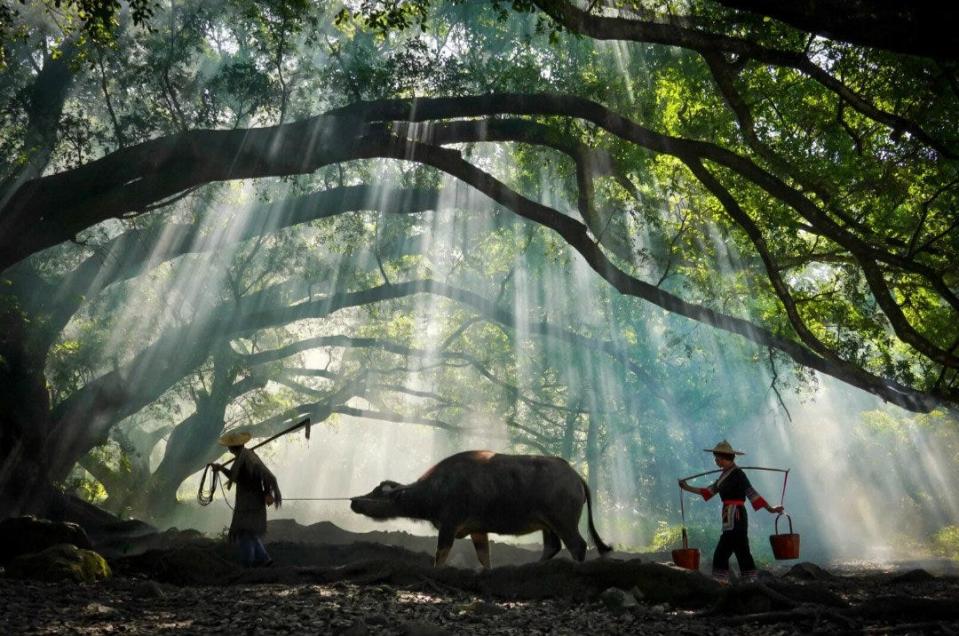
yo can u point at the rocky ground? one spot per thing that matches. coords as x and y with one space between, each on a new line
322 583
141 606
130 606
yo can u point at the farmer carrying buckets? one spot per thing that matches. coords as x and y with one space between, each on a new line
734 489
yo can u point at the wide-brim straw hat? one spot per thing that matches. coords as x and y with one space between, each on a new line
724 448
235 438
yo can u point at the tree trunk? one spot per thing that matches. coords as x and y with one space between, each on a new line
24 416
569 434
191 443
593 456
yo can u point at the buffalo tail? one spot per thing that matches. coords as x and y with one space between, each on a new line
600 546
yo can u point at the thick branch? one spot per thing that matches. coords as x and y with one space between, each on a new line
576 235
390 416
914 28
329 128
604 28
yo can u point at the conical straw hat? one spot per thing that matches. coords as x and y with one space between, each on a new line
235 438
724 448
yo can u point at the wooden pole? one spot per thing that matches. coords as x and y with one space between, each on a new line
719 470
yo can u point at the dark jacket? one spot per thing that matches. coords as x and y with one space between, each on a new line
734 489
254 482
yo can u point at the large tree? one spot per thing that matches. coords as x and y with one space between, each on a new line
827 166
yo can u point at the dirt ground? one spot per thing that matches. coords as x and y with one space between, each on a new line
141 606
325 581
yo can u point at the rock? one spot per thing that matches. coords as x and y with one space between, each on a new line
99 610
482 608
181 566
377 619
808 572
637 594
59 563
150 589
418 628
913 576
29 535
358 628
807 592
616 599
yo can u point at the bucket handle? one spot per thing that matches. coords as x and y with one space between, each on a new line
788 518
682 511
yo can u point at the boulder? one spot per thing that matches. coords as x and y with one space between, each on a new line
29 535
188 565
913 576
63 562
807 571
616 599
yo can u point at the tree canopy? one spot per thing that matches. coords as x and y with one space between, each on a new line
200 200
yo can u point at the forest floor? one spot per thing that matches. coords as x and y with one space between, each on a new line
181 583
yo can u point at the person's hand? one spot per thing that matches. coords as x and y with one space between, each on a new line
218 467
777 509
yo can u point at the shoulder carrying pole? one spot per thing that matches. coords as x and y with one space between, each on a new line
719 470
204 497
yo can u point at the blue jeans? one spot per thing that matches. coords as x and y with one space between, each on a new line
252 551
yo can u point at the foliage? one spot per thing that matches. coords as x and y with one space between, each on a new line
86 487
946 542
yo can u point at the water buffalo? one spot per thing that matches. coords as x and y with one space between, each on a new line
477 492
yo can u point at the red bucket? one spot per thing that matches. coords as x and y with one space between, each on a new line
686 557
785 546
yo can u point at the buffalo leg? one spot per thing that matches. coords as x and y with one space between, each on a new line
574 543
443 545
551 544
481 543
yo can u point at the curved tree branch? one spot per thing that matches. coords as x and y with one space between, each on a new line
605 28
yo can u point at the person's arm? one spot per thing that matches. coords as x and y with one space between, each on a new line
272 488
268 482
228 472
705 493
757 500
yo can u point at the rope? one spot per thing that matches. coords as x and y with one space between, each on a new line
205 497
222 492
682 511
782 497
285 499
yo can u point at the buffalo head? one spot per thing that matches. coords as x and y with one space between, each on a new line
383 502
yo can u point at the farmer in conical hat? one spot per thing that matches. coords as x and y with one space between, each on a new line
733 488
256 488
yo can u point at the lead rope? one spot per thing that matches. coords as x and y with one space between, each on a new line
205 497
682 511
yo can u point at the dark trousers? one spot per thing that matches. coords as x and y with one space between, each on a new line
734 541
252 551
